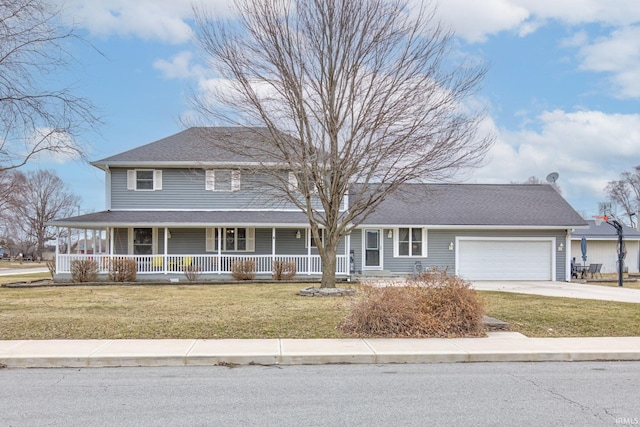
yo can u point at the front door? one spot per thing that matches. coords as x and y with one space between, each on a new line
372 247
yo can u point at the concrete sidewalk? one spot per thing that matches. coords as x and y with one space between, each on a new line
497 347
562 289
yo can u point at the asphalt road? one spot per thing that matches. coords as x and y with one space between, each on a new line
493 394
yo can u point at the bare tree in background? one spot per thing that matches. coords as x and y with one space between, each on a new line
35 116
349 92
625 193
43 198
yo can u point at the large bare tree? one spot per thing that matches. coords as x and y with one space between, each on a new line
349 92
625 193
37 113
43 197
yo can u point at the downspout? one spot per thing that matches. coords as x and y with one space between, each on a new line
567 256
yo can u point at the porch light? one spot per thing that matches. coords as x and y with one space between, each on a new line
451 246
390 234
560 247
298 234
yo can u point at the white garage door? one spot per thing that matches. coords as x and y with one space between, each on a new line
490 259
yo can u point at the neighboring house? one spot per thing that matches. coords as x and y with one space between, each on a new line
602 243
182 201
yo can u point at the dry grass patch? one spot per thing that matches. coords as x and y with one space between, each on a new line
167 311
24 278
537 316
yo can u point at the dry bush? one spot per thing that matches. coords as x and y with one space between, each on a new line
51 266
243 269
122 270
432 305
284 270
84 270
192 272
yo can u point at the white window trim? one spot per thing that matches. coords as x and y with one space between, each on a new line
132 179
396 243
210 240
210 180
154 240
307 237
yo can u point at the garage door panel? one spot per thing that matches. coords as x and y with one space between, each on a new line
480 259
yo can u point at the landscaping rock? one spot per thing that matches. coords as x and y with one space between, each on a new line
313 291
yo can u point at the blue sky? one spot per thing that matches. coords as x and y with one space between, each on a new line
563 87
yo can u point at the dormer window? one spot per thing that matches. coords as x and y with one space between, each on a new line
222 180
144 179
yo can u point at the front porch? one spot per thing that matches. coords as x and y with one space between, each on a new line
210 252
219 264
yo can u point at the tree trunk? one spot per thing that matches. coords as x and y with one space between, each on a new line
329 267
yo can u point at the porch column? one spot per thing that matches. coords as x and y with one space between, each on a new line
57 248
273 245
111 239
166 249
219 250
68 240
347 253
308 239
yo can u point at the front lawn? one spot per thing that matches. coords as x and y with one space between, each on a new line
261 311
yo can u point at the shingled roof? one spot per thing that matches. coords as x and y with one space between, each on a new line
605 231
476 205
194 145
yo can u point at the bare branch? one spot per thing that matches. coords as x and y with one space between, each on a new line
348 92
34 117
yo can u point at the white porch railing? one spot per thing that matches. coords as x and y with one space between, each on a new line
205 264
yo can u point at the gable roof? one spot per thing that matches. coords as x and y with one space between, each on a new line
194 146
605 231
476 205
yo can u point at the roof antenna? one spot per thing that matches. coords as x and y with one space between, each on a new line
553 177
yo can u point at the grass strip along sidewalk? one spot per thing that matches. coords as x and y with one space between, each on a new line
262 311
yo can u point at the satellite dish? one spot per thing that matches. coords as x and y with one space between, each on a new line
553 177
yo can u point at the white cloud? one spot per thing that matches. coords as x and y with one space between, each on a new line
474 20
619 55
180 66
162 20
587 148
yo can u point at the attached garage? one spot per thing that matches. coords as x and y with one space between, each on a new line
483 258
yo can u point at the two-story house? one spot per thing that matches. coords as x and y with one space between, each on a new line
184 201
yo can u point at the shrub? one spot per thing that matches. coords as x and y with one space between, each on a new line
51 265
284 270
122 270
432 305
243 269
192 272
84 270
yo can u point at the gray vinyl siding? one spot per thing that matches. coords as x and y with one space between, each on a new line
287 243
192 241
185 189
438 253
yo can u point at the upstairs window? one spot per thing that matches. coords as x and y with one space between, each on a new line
144 179
222 180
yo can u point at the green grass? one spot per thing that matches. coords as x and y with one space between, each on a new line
261 311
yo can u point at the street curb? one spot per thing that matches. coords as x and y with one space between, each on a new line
499 347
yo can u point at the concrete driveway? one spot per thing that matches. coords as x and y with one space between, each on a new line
562 289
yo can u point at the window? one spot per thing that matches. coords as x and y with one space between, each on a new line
144 179
410 242
233 239
222 180
310 239
142 241
295 185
